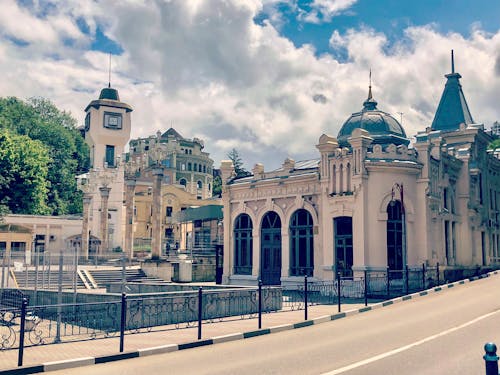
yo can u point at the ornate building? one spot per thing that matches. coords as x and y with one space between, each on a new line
369 202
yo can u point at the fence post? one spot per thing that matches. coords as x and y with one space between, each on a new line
305 297
338 292
423 276
366 286
59 298
406 280
388 284
260 304
200 310
123 321
437 271
21 332
491 359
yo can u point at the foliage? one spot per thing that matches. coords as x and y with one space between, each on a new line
235 157
23 182
217 187
38 119
494 145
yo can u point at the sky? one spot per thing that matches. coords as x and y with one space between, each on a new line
267 77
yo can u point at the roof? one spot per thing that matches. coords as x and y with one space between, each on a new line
172 132
109 98
208 212
452 109
383 128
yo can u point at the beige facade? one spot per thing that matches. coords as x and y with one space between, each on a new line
369 202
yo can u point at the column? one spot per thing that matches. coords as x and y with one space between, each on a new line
87 198
129 217
156 211
103 227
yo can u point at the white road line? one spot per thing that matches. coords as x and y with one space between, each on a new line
406 347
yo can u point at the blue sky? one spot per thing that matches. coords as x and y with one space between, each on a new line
265 76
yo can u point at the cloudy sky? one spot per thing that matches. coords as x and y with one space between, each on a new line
266 77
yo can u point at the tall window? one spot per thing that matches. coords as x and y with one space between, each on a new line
243 245
301 244
394 236
110 156
343 245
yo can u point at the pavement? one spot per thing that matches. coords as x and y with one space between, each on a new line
51 357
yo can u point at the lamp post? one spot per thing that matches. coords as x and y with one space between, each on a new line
399 188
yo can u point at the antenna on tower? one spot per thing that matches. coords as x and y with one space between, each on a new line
452 63
109 71
370 86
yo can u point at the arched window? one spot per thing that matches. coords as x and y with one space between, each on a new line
301 244
189 166
243 245
394 236
199 184
204 169
183 181
195 167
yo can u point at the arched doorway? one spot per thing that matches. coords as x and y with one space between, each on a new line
343 245
270 249
394 236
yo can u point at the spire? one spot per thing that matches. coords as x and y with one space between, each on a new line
452 63
452 109
370 104
109 71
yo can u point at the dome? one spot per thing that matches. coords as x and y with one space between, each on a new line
109 94
383 128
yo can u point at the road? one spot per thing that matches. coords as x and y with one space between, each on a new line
441 333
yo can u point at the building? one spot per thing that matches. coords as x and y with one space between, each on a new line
371 201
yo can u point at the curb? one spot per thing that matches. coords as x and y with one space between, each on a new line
85 361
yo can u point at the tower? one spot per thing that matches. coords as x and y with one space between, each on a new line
107 131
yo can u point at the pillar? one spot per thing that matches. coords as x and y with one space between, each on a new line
156 211
129 217
87 198
103 229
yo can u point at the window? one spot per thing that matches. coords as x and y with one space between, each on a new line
301 244
395 236
169 211
343 245
199 184
110 156
204 169
243 245
189 166
194 167
87 122
183 181
199 168
112 120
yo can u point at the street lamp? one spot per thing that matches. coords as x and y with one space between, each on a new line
399 188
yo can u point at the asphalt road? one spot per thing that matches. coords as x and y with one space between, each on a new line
441 333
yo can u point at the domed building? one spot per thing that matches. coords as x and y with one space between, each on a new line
369 202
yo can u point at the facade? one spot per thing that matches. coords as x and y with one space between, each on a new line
369 202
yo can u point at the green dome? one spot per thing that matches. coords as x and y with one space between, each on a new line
109 94
383 128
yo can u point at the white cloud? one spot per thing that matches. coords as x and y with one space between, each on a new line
325 10
205 68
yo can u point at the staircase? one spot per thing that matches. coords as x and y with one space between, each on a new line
46 279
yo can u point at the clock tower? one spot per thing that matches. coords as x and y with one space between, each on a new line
107 131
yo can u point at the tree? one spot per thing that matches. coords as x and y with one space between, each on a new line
40 120
235 157
217 187
23 183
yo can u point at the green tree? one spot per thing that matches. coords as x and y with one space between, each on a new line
40 120
217 187
235 157
23 182
494 145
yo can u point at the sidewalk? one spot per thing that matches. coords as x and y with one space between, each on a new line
36 355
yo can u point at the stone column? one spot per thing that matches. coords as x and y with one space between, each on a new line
156 212
87 198
103 225
129 217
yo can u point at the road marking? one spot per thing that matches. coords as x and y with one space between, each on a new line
406 347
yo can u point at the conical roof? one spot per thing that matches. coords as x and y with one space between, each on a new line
452 109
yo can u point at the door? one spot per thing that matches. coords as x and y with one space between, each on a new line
270 254
343 245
